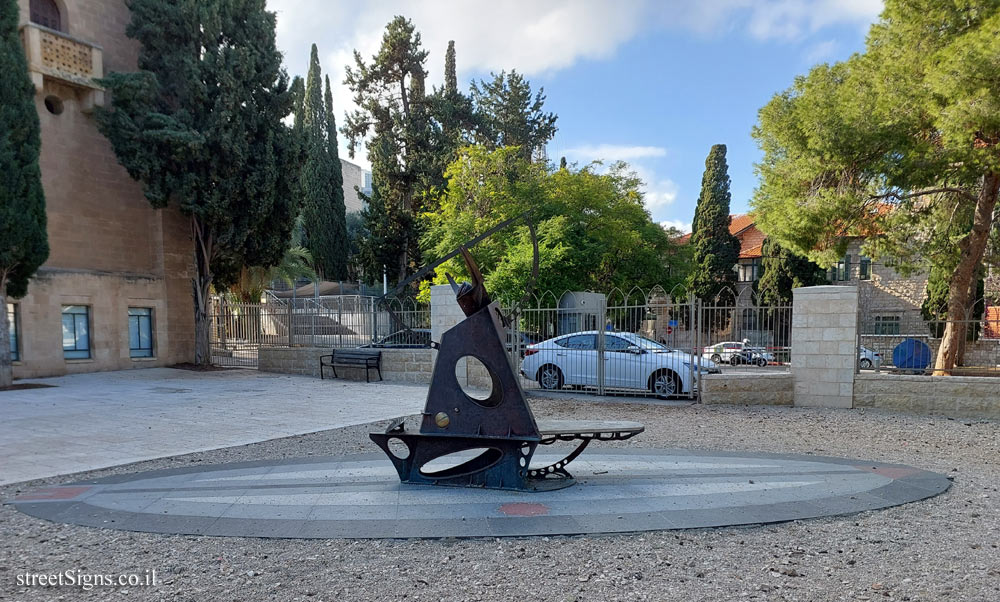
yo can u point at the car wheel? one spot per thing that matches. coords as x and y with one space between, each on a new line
716 358
866 364
550 377
761 362
664 384
734 360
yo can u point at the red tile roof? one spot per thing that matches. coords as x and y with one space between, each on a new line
742 226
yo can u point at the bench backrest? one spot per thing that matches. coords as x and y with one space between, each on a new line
356 354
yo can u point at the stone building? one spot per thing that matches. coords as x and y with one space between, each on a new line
115 292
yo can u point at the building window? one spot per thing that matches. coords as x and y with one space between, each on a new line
750 272
14 331
140 332
76 332
865 268
46 14
886 324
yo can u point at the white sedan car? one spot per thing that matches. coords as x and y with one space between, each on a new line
630 362
737 352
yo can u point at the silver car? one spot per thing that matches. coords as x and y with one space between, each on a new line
630 362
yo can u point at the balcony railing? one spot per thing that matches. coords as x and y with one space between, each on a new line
58 56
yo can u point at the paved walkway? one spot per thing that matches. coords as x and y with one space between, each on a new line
618 490
103 419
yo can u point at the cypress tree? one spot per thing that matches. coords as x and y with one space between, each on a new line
338 206
782 270
322 180
716 251
24 243
200 125
450 71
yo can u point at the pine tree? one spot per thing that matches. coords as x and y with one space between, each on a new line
509 116
200 126
716 251
322 180
389 94
24 243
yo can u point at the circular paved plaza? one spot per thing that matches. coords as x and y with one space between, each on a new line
618 490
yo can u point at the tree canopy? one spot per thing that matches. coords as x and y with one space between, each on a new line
508 114
892 145
200 126
593 230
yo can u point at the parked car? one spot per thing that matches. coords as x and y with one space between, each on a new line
631 362
526 340
737 352
416 338
868 359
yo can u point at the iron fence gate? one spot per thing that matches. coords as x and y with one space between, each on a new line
239 330
645 344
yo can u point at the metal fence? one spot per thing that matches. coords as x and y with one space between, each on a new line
644 343
901 338
239 330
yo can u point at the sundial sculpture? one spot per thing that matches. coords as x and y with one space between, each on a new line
500 428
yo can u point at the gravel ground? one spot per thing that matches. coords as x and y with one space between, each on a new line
945 548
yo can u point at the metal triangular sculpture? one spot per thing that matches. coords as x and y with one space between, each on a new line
500 427
500 430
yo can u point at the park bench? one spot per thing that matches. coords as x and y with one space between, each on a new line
352 358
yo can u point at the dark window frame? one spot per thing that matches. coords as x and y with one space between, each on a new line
76 352
887 325
138 319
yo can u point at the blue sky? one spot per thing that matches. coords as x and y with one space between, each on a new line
651 82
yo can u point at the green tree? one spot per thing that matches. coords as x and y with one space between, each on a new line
322 179
890 145
593 229
200 126
782 270
24 244
508 115
716 251
389 91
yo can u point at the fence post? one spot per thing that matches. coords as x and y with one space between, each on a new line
603 311
291 322
696 314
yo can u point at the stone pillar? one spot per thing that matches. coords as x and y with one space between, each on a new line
445 313
824 345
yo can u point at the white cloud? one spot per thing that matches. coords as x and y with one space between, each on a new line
613 152
684 227
821 51
530 36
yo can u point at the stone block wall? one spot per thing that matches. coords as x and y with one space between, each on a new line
968 396
824 345
747 389
398 365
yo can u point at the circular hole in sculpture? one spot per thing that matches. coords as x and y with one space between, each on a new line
54 105
476 381
399 449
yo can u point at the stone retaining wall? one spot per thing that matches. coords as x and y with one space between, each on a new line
401 365
968 396
747 389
